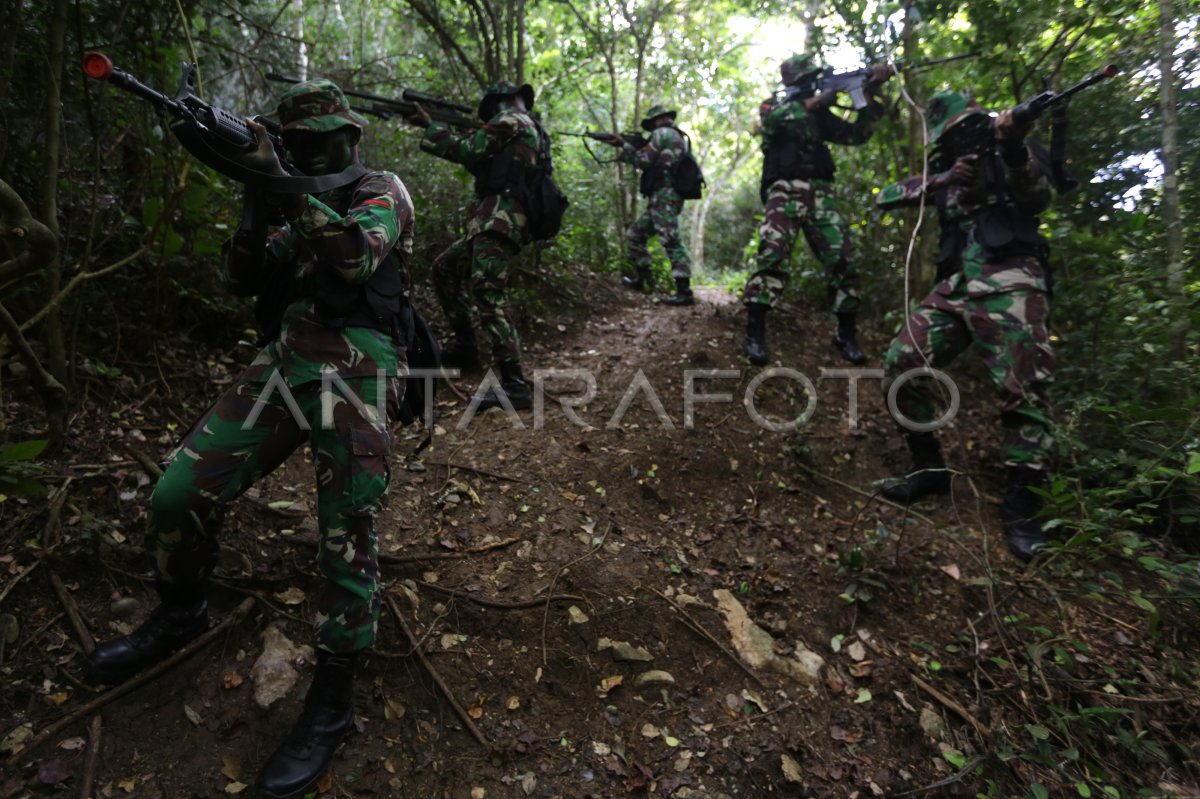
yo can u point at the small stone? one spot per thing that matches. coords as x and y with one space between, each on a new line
125 608
577 615
622 650
653 678
932 724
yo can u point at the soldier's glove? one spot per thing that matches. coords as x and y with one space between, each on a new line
262 158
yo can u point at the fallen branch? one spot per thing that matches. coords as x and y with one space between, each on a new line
21 575
476 733
697 628
983 731
953 778
465 553
873 497
129 686
92 758
486 473
85 638
534 602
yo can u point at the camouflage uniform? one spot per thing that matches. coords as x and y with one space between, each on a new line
474 270
998 301
661 214
347 234
807 204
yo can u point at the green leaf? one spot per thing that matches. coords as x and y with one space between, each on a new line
23 450
1038 731
1082 789
1193 464
1039 791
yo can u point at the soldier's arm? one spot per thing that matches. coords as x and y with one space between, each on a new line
1025 165
353 245
908 192
839 131
466 149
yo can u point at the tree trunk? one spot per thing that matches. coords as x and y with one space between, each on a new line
1170 161
56 45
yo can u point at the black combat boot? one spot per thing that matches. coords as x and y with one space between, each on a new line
644 281
846 338
328 716
756 334
512 383
180 617
929 475
1019 509
462 352
683 293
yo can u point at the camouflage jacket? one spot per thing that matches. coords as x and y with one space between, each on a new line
348 230
662 152
509 133
791 120
958 207
794 141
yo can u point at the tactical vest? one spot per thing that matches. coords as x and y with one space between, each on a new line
376 304
504 173
1004 228
795 152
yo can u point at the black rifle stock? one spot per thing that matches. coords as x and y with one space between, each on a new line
439 109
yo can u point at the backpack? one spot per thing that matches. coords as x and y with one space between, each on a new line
545 202
687 178
424 354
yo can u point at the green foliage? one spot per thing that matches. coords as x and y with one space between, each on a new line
19 470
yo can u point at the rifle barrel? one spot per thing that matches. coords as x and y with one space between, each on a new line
407 96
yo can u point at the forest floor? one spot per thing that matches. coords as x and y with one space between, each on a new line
731 612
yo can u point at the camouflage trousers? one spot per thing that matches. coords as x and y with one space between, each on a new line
474 272
661 218
1009 328
809 206
221 457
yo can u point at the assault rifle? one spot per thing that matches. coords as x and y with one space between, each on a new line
439 109
976 134
854 82
632 137
218 137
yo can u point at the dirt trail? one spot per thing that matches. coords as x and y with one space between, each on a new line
642 522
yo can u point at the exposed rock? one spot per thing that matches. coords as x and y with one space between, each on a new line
756 646
274 673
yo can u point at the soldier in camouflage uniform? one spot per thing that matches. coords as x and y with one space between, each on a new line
996 299
329 370
657 160
797 187
474 270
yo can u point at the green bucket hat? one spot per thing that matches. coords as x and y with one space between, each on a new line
797 66
655 112
945 109
317 105
498 91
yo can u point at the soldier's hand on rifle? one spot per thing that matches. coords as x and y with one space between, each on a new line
1007 128
963 173
420 117
262 158
880 74
823 100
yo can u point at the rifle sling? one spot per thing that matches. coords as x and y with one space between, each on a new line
194 140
